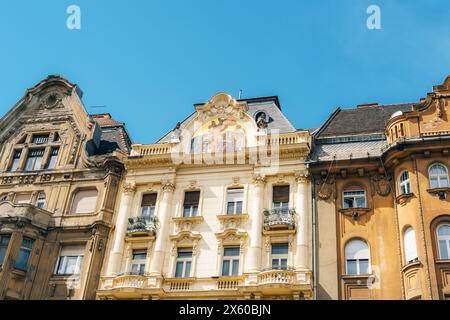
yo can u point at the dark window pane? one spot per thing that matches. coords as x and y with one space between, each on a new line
239 207
235 267
232 251
226 268
187 272
230 208
281 248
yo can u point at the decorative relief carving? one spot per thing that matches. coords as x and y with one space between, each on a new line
326 188
302 176
168 186
259 179
381 185
222 105
129 187
51 100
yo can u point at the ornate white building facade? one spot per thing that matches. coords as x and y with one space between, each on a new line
219 208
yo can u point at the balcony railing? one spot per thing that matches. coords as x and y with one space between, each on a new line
129 281
141 226
279 218
276 277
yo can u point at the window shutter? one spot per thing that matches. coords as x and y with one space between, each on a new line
22 198
280 194
234 195
149 200
72 250
191 198
85 201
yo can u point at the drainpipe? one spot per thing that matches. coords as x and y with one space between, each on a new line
314 235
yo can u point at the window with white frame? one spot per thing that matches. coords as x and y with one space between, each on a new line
280 198
357 257
84 201
51 163
280 255
70 260
15 160
354 198
148 205
184 263
34 159
410 245
24 254
4 243
438 175
235 200
138 262
230 263
443 238
190 205
40 201
404 184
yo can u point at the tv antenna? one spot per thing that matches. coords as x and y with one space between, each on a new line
240 93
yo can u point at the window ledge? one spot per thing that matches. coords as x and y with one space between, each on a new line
354 213
226 217
442 261
359 279
404 198
196 219
19 273
440 192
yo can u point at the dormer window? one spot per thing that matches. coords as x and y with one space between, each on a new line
40 138
15 160
34 159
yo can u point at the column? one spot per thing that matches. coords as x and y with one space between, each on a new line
257 196
115 257
301 251
162 235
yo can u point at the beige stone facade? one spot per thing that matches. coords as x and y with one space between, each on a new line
59 176
229 218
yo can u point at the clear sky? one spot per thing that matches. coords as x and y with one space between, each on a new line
150 61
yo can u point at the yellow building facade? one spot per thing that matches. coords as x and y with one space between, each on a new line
219 208
381 190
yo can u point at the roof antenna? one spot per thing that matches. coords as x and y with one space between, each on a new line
240 94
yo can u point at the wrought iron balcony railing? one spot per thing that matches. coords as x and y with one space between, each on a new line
279 218
144 226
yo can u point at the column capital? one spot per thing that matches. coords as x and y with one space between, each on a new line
168 186
129 187
302 176
259 179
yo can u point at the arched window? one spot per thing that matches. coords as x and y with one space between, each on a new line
409 238
354 197
40 200
438 175
357 257
443 238
84 201
404 185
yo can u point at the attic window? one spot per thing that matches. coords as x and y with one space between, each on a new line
40 138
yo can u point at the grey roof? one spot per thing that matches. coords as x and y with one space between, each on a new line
269 105
363 120
356 133
342 151
113 135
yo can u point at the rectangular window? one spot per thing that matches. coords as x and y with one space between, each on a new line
148 205
138 262
230 265
184 262
22 198
280 256
34 159
357 266
235 199
40 138
4 242
84 201
280 198
191 201
52 159
16 160
70 260
354 199
24 254
40 201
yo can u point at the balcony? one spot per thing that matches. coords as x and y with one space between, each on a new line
276 276
276 219
141 226
129 281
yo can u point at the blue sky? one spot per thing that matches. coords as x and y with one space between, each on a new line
150 61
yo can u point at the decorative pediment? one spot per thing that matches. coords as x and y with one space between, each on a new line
232 237
222 105
185 239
